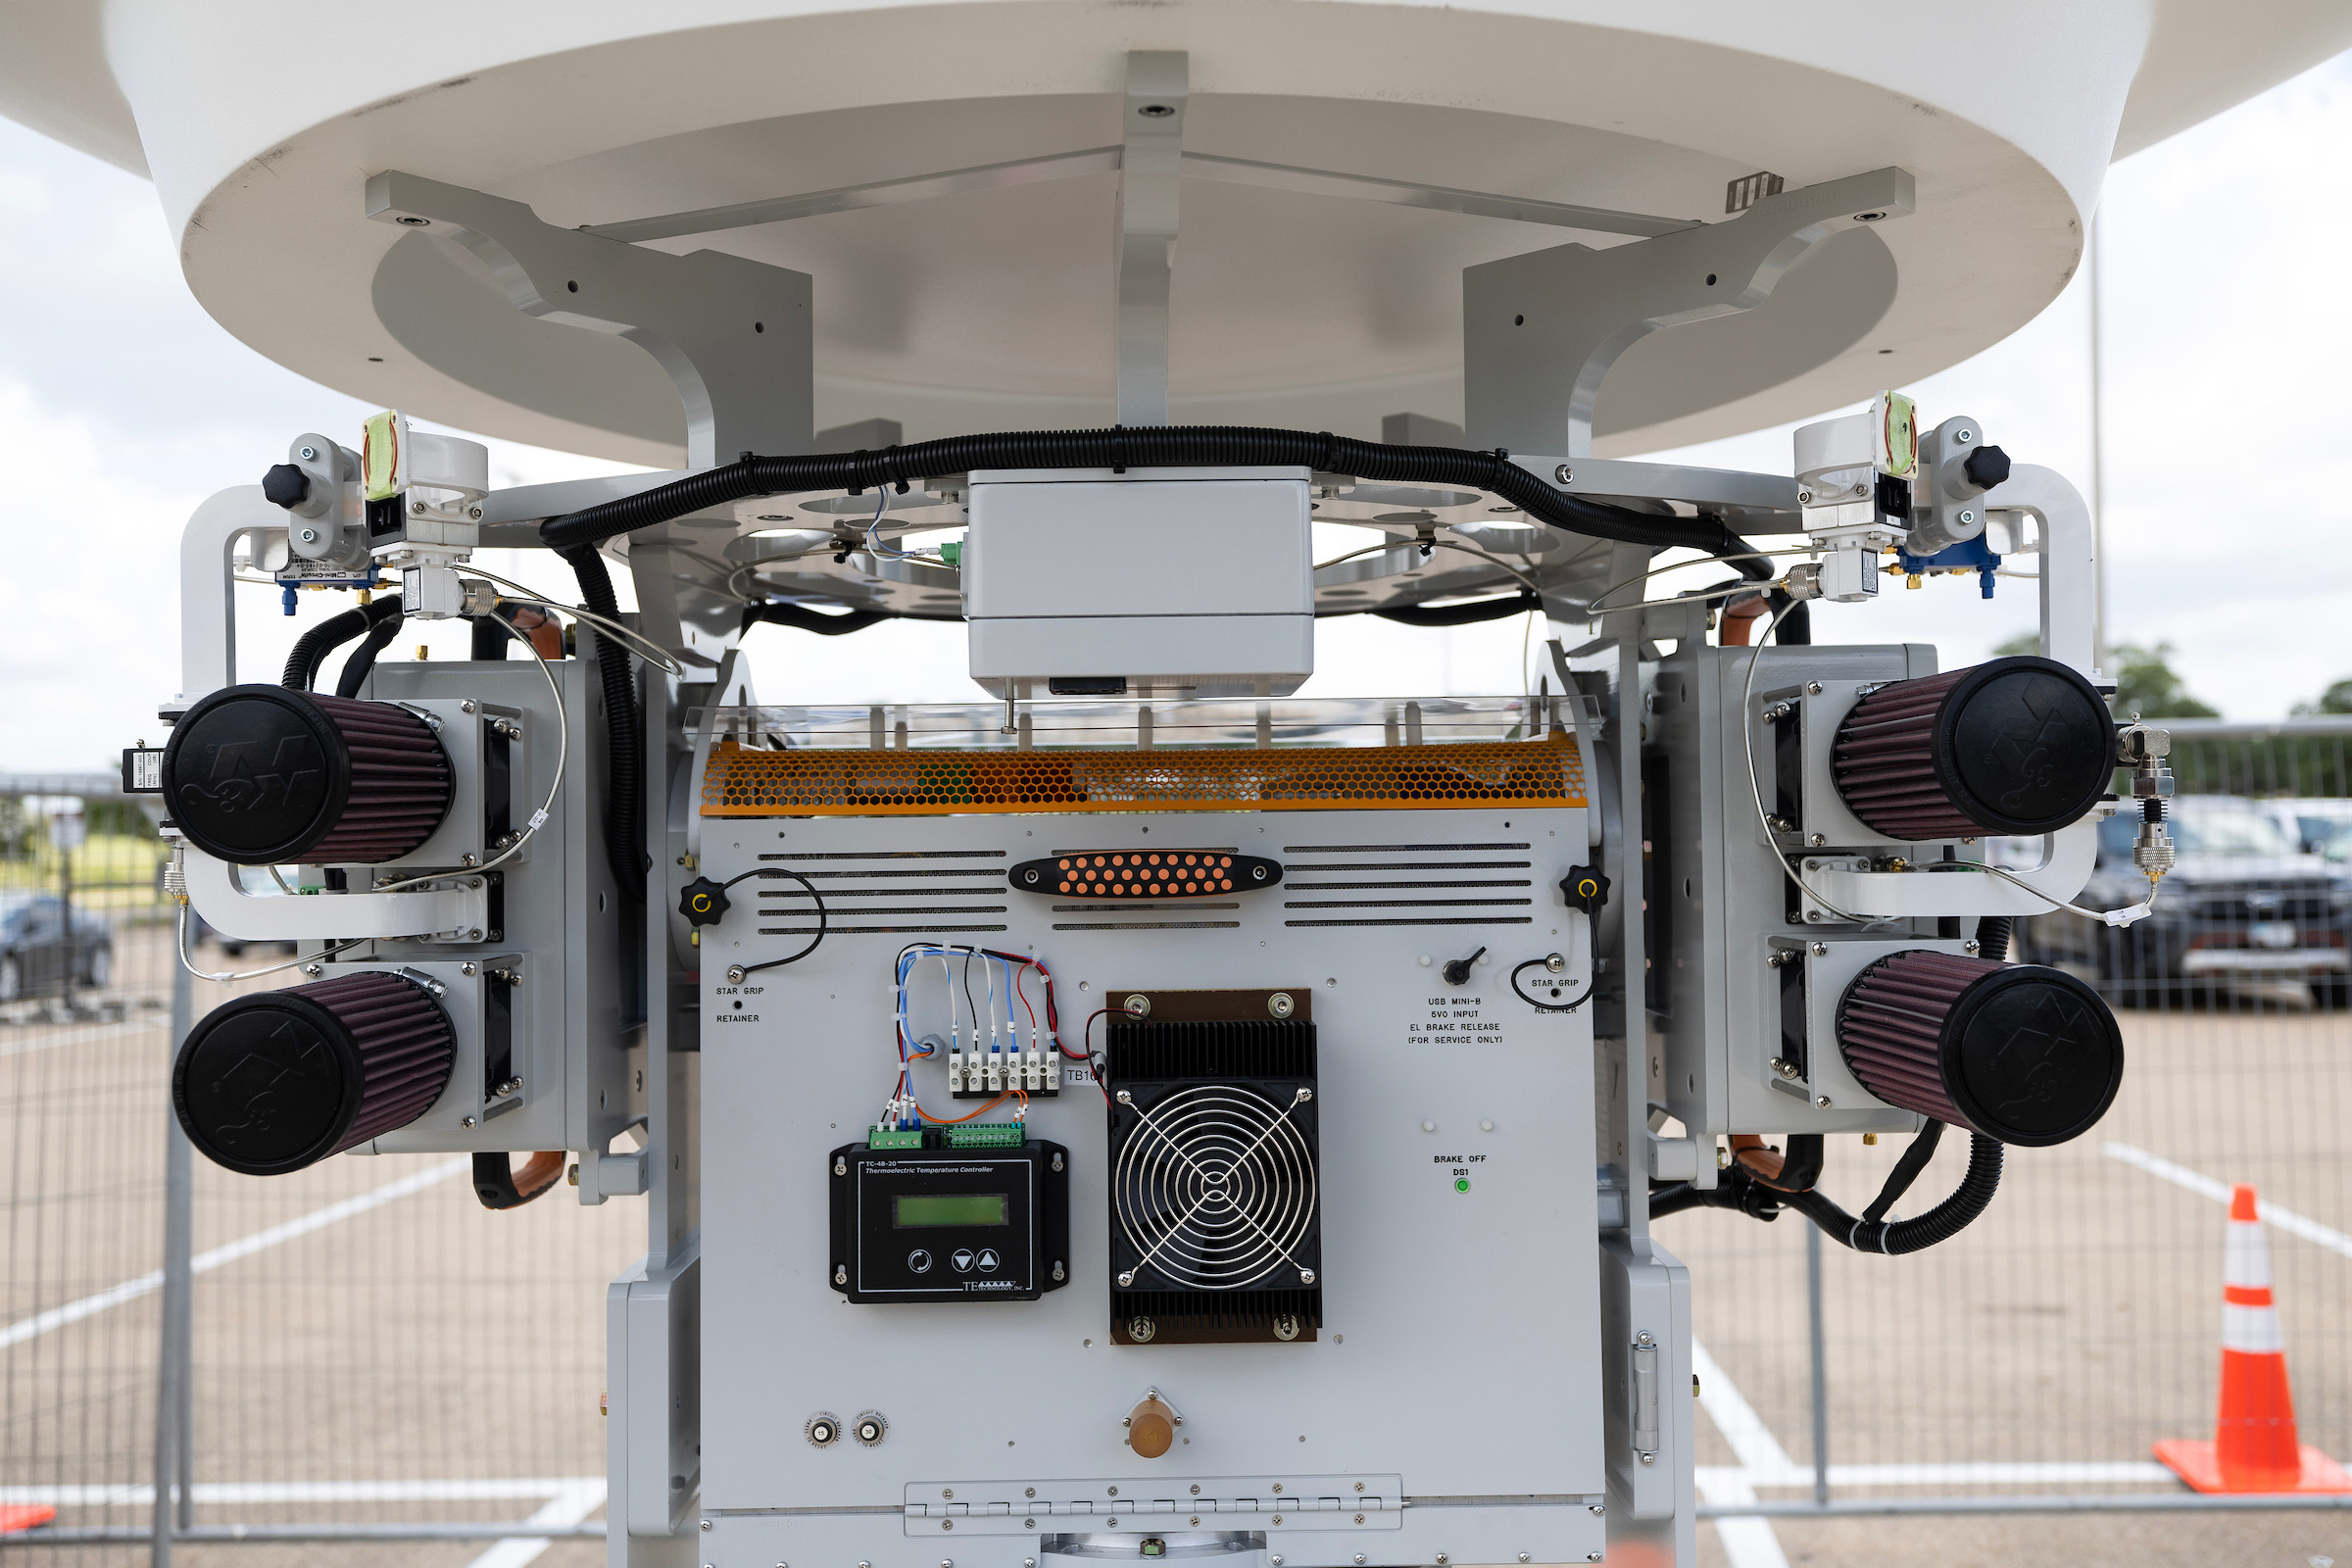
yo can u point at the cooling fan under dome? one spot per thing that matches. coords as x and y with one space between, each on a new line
1216 1223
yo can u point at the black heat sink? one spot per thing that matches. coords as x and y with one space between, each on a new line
1142 1051
1190 1317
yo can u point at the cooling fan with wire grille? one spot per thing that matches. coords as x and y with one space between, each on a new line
1216 1198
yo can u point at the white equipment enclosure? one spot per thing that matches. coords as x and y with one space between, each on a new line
1283 1098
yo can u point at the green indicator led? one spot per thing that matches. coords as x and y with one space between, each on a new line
1461 1184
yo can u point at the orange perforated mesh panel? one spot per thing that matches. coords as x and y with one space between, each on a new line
946 783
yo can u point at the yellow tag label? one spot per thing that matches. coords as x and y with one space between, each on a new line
384 456
1896 435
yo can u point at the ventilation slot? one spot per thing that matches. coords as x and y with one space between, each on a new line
856 896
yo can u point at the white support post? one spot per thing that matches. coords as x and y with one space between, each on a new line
1151 170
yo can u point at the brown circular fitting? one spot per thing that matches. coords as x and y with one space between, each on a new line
1150 1428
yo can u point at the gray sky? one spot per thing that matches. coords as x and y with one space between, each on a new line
123 405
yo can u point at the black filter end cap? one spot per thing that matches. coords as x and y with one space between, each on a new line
2031 1055
2025 745
256 775
268 1084
286 485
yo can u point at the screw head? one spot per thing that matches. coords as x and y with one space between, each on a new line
1156 111
465 1121
1813 688
706 1524
475 513
1563 475
1137 1006
308 453
1818 840
1964 436
1306 1276
734 974
1967 517
466 969
1970 946
313 970
1822 1104
1804 496
1821 950
1125 1099
412 221
309 536
1280 1004
1525 1558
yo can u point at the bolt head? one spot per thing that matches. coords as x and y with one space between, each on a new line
706 1524
309 454
1968 517
1306 1276
465 1121
1822 1104
1563 475
309 536
1818 840
313 970
1970 946
1813 687
466 969
1821 950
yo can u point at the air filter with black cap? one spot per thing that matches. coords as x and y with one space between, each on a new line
2013 745
2020 1053
262 775
278 1080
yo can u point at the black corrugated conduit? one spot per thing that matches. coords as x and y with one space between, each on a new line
624 756
311 649
1120 448
1740 1188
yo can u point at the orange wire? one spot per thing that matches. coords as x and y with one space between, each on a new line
949 1121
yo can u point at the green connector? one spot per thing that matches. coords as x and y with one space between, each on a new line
988 1135
894 1138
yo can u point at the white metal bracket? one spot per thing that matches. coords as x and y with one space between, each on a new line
1150 170
1539 331
455 910
733 334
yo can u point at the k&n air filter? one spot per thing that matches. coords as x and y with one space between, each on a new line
278 1080
2013 745
262 775
2016 1051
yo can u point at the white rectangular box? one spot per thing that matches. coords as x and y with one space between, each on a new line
1184 581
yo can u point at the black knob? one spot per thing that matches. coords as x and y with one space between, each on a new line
1457 970
286 486
703 901
1586 889
1986 466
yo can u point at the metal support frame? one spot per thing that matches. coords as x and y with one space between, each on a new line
733 334
1151 170
1539 331
1105 160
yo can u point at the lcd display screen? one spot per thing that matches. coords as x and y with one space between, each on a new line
927 1210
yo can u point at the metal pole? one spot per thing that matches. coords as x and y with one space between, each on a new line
1821 1374
175 1365
2098 471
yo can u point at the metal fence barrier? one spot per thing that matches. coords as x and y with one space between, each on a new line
358 1355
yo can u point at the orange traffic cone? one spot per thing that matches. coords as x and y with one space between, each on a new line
2254 1448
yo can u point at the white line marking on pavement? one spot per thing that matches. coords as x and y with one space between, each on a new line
58 1317
1748 1542
2284 1219
573 1505
1982 1474
139 1494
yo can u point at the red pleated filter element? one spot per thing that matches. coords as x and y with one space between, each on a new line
2020 1053
262 775
276 1081
2012 745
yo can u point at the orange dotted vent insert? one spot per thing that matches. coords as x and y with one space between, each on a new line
944 783
1096 876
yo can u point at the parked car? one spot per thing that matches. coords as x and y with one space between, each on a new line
35 948
2245 904
2312 822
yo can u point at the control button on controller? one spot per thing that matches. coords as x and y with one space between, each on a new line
919 1260
987 1260
963 1261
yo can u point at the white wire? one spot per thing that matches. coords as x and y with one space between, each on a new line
2115 917
1594 608
539 817
520 595
181 945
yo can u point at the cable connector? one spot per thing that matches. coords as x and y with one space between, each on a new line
2143 749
